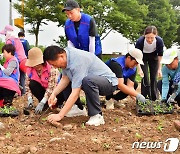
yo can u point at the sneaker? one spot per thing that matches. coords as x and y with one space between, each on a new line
96 120
75 111
110 104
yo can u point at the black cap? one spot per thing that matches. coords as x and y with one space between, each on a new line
70 5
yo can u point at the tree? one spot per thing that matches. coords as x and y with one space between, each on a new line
176 6
162 15
36 13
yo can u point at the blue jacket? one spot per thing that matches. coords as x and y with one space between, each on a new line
81 41
121 61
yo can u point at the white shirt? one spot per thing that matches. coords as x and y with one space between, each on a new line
149 48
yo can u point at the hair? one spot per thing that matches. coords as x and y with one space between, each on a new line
9 48
21 34
151 29
51 52
132 58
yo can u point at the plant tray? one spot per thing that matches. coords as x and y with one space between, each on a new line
8 112
153 108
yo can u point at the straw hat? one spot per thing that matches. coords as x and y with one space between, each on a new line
35 57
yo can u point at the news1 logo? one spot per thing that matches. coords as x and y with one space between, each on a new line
170 145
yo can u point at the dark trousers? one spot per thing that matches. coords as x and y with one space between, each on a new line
7 95
120 95
171 90
38 91
149 86
22 82
93 86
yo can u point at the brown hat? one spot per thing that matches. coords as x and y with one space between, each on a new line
35 57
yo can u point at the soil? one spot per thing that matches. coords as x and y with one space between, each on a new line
26 134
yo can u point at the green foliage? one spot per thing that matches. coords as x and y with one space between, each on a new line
1 45
7 110
106 57
83 100
162 15
128 17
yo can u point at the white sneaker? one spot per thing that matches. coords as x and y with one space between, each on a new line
110 104
75 111
96 120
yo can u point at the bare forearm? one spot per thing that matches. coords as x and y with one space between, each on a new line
61 85
70 102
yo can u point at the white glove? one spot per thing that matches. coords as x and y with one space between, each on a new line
141 98
172 97
1 67
30 102
40 106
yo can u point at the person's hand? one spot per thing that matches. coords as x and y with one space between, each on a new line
54 118
52 100
141 98
159 73
39 108
30 103
171 98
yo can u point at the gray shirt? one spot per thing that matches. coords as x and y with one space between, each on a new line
81 64
11 67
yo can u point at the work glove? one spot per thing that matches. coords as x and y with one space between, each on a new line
1 67
141 98
40 106
1 56
30 103
172 97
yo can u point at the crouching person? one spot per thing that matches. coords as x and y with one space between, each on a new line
125 69
169 86
9 78
85 71
41 80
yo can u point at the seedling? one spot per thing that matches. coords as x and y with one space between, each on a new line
8 135
44 119
83 125
116 120
160 126
138 136
106 146
83 100
51 132
7 110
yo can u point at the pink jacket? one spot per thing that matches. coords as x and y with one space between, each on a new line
19 54
43 79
